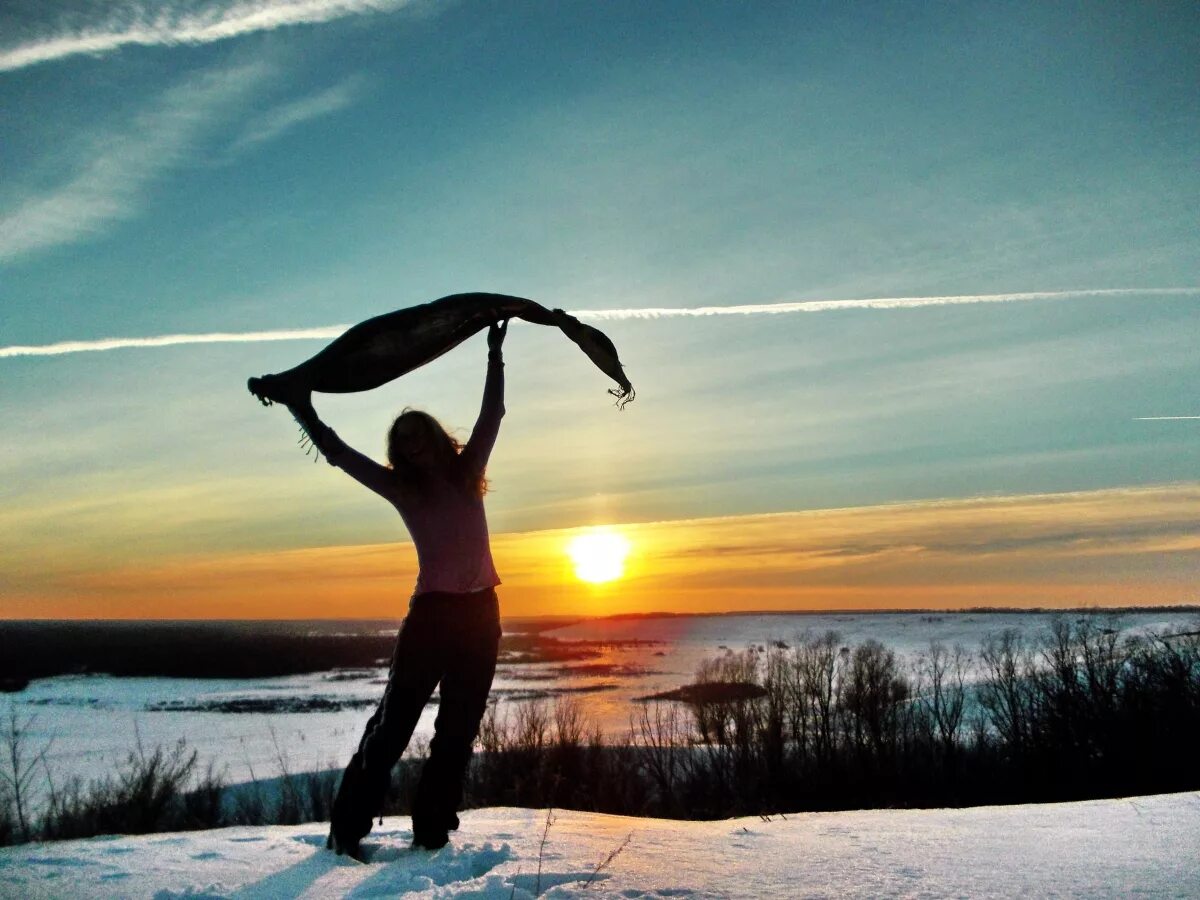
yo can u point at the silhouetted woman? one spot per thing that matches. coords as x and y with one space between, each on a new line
452 631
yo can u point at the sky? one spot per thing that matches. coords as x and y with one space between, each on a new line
264 168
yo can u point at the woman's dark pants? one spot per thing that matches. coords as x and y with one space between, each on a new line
451 639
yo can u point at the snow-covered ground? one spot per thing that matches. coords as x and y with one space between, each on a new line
1142 846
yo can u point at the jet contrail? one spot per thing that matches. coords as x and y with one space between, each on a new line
171 24
1165 418
169 340
800 306
878 303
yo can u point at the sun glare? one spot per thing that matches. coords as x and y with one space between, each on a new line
598 555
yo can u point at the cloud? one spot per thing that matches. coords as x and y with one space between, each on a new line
804 306
287 116
174 24
1113 546
110 185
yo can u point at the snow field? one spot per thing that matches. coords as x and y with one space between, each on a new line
1142 846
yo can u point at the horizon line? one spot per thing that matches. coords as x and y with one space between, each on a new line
833 610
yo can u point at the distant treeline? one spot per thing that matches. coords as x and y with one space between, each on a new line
31 649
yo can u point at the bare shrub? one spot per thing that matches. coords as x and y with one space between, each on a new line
568 723
531 727
202 805
19 765
290 809
491 729
144 795
319 790
250 806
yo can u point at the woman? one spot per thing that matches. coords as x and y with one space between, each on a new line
452 632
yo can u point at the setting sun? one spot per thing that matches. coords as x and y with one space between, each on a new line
599 555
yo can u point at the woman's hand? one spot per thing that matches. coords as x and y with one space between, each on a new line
318 433
496 335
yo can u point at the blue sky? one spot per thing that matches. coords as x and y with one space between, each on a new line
235 167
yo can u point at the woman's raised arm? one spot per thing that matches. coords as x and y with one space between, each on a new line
487 426
338 453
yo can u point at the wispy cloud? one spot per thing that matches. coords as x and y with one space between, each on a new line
151 24
803 306
1113 546
110 185
286 116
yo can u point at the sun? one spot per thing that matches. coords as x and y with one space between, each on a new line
599 555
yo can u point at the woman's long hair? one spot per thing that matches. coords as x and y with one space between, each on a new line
446 452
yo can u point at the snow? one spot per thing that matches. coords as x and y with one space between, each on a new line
1143 846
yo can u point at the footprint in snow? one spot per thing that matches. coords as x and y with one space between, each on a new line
532 883
405 870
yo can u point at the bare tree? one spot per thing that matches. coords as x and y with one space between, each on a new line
945 700
20 764
661 739
1005 691
820 666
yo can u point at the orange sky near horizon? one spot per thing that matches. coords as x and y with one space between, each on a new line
1127 547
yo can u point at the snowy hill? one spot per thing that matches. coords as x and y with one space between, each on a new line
1149 846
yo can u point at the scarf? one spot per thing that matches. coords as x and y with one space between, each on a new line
381 349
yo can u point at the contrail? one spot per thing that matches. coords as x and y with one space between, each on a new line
169 340
800 306
879 303
162 24
1165 418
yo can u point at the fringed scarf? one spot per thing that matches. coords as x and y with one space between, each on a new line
381 349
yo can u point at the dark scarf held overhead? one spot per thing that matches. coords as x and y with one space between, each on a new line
381 349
